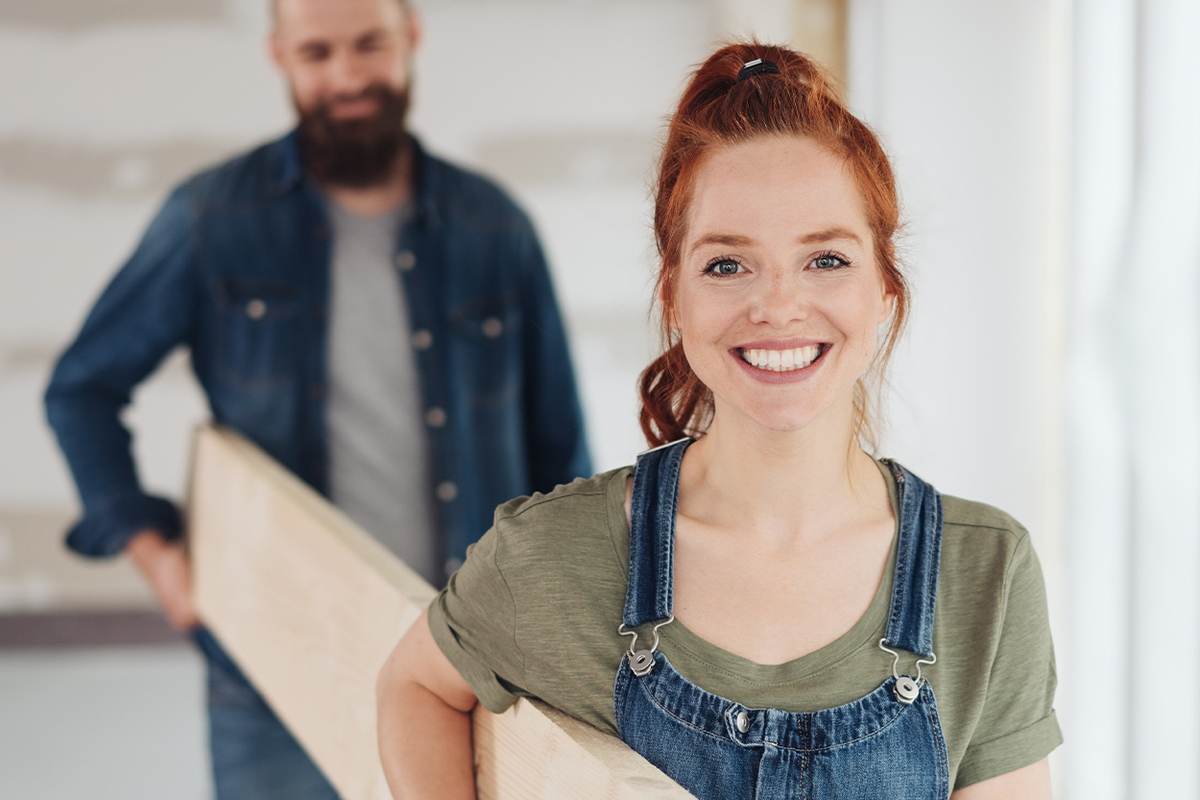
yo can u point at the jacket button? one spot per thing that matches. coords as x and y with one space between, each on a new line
447 491
492 327
435 417
743 722
256 309
422 339
405 260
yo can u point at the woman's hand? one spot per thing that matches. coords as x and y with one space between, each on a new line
169 572
1027 783
424 710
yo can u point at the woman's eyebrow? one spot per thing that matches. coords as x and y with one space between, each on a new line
736 240
828 235
727 239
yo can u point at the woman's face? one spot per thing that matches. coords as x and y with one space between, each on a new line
779 296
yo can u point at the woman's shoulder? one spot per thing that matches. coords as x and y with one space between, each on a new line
582 495
972 518
992 634
572 524
979 539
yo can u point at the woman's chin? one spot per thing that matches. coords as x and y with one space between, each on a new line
757 416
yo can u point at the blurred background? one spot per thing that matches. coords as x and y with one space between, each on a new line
1048 153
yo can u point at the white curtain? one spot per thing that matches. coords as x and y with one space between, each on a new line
1131 674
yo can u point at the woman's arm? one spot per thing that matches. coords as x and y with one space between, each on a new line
1027 783
424 709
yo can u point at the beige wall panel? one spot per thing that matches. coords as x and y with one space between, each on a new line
310 606
821 33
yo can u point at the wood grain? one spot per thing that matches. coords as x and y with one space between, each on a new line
310 606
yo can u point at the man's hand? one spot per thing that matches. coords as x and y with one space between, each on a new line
166 567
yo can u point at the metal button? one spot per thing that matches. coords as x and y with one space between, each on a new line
447 491
492 327
256 309
743 722
435 417
907 690
641 662
422 339
405 260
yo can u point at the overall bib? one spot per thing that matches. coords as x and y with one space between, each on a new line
887 745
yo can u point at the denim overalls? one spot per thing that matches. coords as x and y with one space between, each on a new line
886 745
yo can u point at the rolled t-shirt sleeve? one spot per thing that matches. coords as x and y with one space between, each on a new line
1017 726
473 621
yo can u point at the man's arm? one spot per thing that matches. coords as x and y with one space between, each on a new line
144 313
556 440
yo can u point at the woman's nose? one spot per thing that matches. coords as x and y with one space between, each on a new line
778 300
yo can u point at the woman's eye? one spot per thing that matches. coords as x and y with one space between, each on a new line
829 261
723 266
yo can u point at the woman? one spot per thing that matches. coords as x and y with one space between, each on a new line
778 584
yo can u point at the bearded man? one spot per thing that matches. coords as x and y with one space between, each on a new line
378 320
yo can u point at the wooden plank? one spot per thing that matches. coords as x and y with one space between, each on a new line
310 606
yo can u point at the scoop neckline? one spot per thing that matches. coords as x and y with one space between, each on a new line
677 636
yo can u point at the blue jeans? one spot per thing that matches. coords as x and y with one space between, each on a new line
254 757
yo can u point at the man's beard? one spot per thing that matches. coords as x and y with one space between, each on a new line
355 153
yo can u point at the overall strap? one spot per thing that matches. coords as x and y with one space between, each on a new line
918 553
652 534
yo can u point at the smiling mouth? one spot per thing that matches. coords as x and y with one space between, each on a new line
782 360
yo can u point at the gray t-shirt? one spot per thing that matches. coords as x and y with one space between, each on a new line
378 449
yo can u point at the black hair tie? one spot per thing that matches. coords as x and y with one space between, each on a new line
756 67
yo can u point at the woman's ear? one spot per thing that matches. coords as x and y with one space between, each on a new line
888 308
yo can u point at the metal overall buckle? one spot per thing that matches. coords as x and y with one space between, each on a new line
642 661
907 688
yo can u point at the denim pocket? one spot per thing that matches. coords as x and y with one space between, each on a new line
487 336
258 330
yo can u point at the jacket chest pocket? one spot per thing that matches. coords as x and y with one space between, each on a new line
258 330
487 332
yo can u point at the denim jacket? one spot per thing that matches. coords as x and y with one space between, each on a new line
236 267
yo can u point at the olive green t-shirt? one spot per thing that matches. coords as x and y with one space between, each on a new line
534 612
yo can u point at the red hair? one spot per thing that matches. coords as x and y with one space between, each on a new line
717 110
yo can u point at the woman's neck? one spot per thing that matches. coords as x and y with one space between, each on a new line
782 485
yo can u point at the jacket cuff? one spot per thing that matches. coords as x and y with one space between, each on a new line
105 531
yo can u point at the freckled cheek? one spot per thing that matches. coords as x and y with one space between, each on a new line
703 318
859 329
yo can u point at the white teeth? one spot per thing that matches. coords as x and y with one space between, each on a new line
782 360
